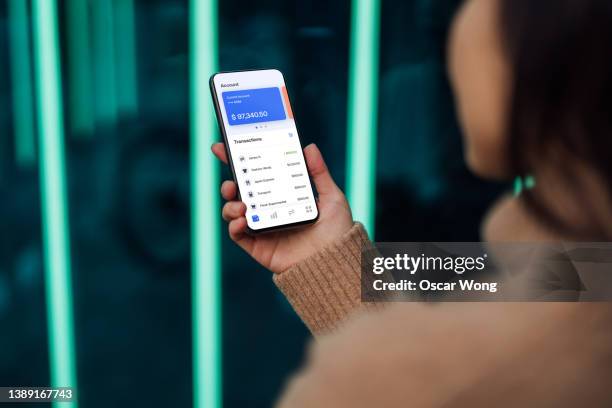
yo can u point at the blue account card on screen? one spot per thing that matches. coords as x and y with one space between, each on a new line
253 106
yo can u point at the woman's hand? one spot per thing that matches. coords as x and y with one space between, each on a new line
278 251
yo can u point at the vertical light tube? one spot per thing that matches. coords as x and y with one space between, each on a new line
104 60
21 78
126 53
205 226
53 196
80 68
363 111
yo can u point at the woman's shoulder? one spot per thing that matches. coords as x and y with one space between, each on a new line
432 354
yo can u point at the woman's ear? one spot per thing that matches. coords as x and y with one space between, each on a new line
481 80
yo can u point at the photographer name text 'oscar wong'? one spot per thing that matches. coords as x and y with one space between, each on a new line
412 265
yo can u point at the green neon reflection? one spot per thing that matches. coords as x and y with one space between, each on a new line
205 227
363 111
53 194
21 71
80 68
126 52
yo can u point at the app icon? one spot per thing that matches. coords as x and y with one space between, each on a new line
255 218
274 215
250 194
253 206
242 158
247 182
244 171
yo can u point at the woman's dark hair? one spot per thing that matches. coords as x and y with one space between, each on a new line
560 53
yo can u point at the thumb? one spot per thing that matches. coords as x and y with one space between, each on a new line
318 170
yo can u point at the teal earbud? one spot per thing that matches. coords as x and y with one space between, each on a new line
523 184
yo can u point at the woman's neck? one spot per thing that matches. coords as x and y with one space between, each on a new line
579 201
510 220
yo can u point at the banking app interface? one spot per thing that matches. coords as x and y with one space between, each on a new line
265 149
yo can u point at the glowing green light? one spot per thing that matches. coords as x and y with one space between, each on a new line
21 71
53 194
530 182
518 186
205 227
363 111
125 47
523 184
80 68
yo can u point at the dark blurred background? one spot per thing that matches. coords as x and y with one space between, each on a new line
126 96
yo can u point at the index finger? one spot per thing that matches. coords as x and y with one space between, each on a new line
219 150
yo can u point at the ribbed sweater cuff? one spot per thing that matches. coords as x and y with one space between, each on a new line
326 287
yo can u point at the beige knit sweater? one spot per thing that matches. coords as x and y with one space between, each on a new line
447 355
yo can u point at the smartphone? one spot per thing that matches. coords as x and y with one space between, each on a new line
264 149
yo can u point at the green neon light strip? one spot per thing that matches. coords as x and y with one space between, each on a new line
126 52
363 111
104 59
53 193
205 227
21 71
80 68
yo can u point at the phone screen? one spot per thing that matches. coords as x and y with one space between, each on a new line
264 148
